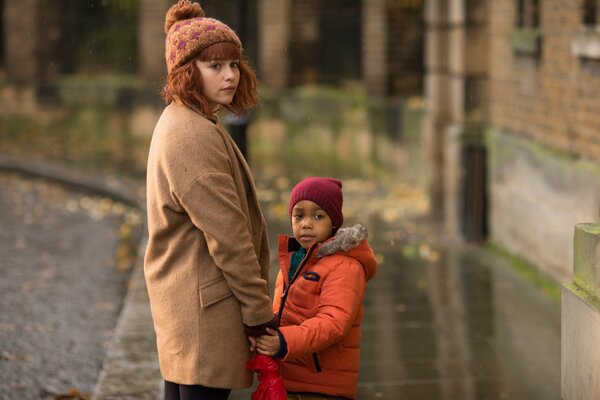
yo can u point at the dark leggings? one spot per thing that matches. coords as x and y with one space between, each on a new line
175 391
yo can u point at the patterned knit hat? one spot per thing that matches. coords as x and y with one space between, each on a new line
189 32
325 192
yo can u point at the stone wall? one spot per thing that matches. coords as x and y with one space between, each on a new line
545 145
537 196
342 131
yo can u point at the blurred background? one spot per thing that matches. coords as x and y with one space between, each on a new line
466 133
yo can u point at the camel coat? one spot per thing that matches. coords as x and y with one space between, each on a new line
206 264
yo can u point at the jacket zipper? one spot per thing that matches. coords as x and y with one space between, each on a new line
287 289
285 295
317 363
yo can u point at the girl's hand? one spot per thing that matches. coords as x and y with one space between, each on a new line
268 345
252 343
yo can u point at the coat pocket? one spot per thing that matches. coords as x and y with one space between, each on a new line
214 291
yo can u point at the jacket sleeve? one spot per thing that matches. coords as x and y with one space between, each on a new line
213 204
341 297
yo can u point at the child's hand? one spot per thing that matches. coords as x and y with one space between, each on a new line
268 345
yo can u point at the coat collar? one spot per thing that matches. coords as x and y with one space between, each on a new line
213 118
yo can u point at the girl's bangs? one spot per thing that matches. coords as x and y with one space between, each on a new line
220 51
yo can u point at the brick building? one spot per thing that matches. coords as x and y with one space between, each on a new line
538 121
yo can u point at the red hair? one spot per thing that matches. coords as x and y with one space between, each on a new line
185 82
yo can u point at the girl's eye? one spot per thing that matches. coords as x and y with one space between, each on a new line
318 217
235 64
297 216
215 66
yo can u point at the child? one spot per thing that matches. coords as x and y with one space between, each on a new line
319 294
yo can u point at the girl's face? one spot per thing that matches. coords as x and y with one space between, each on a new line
310 224
220 80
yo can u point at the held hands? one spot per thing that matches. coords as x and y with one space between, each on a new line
267 345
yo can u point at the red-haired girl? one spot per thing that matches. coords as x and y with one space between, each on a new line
207 259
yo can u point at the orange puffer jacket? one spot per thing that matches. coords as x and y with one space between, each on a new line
320 312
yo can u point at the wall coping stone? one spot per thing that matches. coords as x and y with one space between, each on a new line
586 258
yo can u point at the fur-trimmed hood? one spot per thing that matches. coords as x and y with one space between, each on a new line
344 240
351 241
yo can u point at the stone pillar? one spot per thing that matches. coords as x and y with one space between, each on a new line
151 38
38 39
305 36
436 98
20 35
580 314
455 54
375 54
274 37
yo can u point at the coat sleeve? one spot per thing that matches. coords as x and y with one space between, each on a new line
341 296
212 202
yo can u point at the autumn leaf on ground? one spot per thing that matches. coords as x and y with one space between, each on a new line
73 394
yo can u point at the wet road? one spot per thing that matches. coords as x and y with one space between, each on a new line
64 267
464 327
440 322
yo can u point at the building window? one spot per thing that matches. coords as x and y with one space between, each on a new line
590 12
586 44
526 37
528 14
2 34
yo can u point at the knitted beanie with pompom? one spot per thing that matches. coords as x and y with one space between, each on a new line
189 32
325 192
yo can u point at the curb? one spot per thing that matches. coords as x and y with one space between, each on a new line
87 182
130 367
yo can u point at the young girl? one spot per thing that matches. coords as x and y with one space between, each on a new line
207 259
319 295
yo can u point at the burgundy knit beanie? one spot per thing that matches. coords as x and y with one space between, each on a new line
189 32
325 192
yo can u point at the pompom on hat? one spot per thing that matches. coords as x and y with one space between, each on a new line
325 192
189 32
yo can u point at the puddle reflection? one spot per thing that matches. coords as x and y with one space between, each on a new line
466 327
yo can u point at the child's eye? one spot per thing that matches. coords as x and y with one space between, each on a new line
216 66
319 217
297 216
235 65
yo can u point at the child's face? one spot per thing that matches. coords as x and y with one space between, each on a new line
310 224
220 79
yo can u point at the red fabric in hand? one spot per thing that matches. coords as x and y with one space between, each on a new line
270 382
